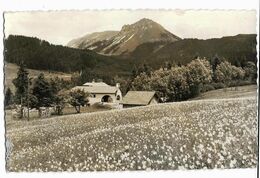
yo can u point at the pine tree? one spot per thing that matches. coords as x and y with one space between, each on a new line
21 84
167 65
43 91
147 69
134 72
215 62
58 99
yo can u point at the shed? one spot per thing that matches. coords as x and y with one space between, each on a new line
140 98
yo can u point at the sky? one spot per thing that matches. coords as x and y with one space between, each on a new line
59 27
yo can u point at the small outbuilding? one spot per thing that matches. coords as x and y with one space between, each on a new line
140 98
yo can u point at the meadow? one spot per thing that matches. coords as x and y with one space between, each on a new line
200 134
233 92
10 71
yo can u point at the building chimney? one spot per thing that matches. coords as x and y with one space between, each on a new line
117 85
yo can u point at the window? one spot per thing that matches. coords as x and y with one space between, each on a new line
118 97
94 95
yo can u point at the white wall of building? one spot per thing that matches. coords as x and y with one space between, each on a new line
96 98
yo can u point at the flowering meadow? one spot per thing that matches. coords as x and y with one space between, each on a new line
203 134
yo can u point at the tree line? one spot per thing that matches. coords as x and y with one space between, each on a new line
238 50
181 82
171 82
40 92
86 65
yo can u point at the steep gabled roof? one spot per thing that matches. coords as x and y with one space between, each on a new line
138 97
96 84
97 89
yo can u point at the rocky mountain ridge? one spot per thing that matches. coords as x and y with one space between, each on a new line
126 40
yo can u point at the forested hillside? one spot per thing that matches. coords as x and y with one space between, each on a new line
235 49
41 55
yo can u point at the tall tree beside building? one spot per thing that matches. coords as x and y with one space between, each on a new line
123 83
78 98
141 83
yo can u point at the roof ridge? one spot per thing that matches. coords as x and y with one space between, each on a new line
138 97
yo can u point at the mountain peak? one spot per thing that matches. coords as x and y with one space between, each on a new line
143 23
145 20
129 37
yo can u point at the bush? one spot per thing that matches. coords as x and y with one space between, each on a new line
9 107
218 85
240 83
195 90
251 71
101 106
226 73
207 87
78 98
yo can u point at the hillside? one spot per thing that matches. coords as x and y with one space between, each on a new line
41 55
236 49
183 135
126 40
11 72
91 39
234 92
147 41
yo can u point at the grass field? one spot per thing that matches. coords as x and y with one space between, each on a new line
234 92
11 72
212 133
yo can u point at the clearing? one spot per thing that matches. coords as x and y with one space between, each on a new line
11 72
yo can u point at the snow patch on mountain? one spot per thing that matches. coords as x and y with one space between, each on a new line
129 38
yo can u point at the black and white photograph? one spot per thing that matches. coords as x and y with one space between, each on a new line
130 90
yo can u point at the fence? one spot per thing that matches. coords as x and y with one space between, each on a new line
42 112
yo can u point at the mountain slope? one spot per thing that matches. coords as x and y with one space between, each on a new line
236 49
89 39
125 41
41 55
10 71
